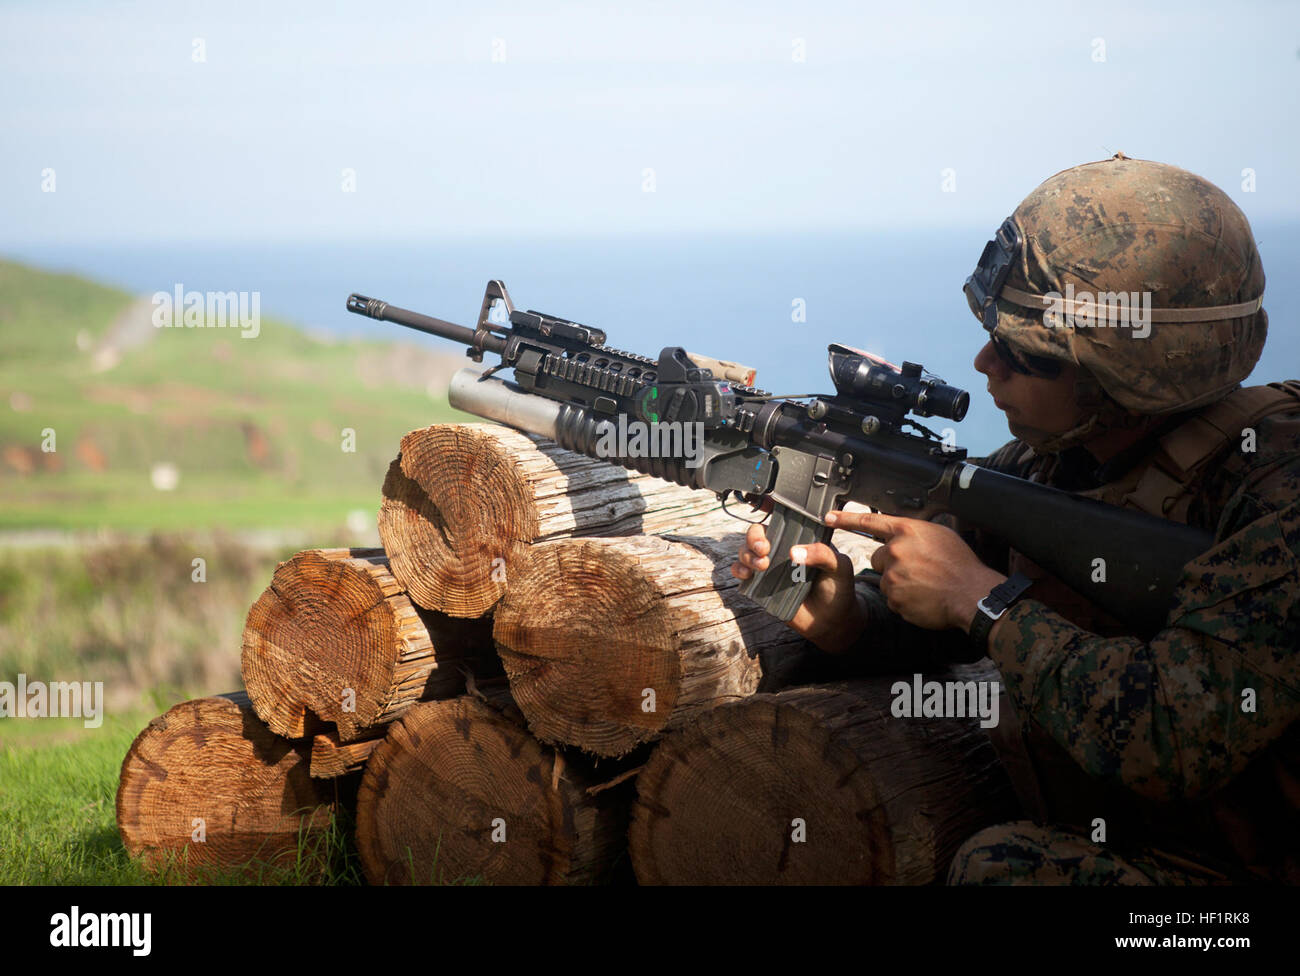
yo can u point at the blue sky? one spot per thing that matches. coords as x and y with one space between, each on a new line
252 143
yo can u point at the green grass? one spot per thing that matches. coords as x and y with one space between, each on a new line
57 821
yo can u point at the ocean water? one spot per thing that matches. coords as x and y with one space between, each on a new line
728 296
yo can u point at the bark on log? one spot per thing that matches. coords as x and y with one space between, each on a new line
334 639
208 786
459 791
610 642
463 501
817 785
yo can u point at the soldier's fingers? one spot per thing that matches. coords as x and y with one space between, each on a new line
741 572
873 523
816 556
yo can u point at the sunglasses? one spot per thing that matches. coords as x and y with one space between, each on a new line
1025 364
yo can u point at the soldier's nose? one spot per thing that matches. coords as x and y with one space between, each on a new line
988 362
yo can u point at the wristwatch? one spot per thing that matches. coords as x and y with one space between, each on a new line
993 606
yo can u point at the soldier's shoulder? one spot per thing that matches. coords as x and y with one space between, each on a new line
1013 457
1259 473
1270 443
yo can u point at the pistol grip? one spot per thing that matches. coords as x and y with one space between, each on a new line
777 589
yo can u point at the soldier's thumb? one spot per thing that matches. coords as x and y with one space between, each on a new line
818 555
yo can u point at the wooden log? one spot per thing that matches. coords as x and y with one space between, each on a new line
817 785
463 501
609 642
331 758
334 639
460 792
207 786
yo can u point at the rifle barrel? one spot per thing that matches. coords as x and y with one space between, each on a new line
376 309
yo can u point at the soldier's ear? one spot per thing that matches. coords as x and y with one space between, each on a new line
1088 394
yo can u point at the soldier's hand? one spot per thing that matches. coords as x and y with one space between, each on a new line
928 574
830 617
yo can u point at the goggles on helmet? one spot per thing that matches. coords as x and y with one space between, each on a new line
984 286
986 281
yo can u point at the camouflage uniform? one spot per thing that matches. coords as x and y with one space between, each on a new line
1150 736
1024 852
1161 722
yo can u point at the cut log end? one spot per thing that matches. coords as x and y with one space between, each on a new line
815 785
335 641
455 510
797 807
459 792
589 645
325 602
207 786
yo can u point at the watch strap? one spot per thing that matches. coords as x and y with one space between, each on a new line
993 606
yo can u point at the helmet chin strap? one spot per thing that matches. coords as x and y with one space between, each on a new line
1101 414
1048 442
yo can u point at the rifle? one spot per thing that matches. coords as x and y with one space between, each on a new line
808 453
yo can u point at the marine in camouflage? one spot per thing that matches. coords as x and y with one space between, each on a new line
1185 746
1188 742
1186 736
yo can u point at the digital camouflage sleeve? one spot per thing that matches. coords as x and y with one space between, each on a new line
1189 737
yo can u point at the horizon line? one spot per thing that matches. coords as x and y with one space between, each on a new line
408 239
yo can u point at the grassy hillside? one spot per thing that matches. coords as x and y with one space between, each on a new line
253 427
252 430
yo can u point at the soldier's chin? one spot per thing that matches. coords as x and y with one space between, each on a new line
1033 436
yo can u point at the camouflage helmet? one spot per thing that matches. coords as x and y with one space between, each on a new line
1144 275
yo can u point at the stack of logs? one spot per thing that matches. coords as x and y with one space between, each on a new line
548 675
